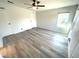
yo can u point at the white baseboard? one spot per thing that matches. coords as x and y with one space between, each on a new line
1 43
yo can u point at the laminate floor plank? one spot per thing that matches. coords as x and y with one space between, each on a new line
50 40
35 43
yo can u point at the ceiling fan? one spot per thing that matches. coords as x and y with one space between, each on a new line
36 4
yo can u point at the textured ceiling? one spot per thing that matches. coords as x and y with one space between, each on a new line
49 4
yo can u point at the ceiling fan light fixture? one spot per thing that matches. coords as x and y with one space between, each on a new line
36 4
34 8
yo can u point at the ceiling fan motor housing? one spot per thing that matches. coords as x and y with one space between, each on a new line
35 2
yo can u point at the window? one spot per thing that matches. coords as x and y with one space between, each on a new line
63 19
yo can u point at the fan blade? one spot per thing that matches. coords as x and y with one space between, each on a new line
38 2
10 2
33 4
34 0
27 4
40 5
29 7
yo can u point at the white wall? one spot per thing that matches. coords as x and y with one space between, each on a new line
4 28
48 19
20 19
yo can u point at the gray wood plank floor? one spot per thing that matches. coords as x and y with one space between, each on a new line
35 43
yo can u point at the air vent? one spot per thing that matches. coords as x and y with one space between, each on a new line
2 8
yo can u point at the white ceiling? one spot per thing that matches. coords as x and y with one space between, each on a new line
49 4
